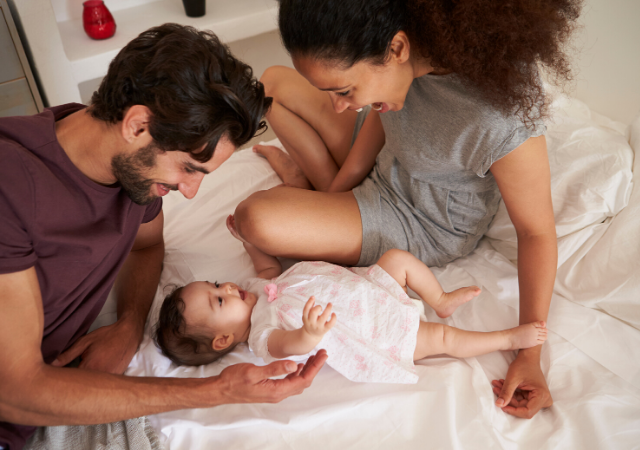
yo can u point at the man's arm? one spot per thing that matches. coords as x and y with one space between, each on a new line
523 177
34 393
111 348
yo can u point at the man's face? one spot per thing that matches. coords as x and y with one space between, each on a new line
150 173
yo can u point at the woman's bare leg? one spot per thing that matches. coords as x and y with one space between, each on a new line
409 271
316 137
301 224
436 338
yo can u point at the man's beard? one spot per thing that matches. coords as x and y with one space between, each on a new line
128 171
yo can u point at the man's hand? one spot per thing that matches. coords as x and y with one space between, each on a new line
524 392
107 349
246 383
315 322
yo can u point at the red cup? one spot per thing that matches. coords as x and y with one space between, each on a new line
97 20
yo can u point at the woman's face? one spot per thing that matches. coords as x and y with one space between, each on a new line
384 86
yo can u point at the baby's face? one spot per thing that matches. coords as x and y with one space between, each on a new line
223 309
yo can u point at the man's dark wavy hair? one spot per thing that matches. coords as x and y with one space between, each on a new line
196 90
496 46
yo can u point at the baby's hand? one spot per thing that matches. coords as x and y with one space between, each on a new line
315 321
231 226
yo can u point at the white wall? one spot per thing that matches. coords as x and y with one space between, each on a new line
607 62
606 55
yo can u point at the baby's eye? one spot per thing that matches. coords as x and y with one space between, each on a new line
216 284
220 300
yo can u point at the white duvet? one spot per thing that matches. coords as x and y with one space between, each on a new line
591 359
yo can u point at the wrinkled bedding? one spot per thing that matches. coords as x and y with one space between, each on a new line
591 359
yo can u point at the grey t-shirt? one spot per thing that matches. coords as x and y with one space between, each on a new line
430 191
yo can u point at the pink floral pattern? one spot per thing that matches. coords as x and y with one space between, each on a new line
375 336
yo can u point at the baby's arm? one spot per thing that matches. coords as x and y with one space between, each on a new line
266 266
315 324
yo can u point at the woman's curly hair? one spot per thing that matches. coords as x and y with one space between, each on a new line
495 46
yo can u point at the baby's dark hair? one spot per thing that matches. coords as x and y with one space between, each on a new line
176 342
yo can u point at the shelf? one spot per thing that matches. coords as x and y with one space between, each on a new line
231 20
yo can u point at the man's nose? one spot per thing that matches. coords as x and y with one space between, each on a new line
190 187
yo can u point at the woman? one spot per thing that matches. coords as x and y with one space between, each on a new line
455 124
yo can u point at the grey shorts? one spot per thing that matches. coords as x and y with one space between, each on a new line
384 227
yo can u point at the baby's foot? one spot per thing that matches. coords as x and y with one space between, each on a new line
527 335
284 166
449 301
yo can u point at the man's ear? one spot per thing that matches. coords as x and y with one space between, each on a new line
135 125
222 341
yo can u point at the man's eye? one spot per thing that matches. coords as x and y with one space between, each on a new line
220 300
343 94
189 170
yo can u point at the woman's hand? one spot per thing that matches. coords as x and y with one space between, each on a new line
524 392
315 322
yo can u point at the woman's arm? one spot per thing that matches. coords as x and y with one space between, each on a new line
362 156
315 324
524 179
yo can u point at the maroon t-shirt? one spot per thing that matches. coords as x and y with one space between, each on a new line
75 232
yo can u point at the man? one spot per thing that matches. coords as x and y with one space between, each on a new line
81 209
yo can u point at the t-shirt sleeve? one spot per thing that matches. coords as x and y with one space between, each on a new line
152 210
507 139
17 210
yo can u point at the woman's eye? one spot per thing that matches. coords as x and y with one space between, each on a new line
343 94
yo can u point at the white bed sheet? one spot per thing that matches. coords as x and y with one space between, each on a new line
591 359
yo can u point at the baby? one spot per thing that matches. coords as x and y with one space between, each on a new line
363 317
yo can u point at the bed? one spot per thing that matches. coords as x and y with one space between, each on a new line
591 359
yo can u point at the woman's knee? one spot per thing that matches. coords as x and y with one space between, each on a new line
274 77
253 219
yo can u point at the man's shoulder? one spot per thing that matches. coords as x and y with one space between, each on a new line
35 131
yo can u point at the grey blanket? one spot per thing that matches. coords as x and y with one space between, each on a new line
133 434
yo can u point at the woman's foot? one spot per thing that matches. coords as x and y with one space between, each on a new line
526 336
231 226
284 166
449 301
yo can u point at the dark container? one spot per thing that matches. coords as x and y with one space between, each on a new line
195 8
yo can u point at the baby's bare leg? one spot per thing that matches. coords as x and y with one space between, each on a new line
436 338
409 271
